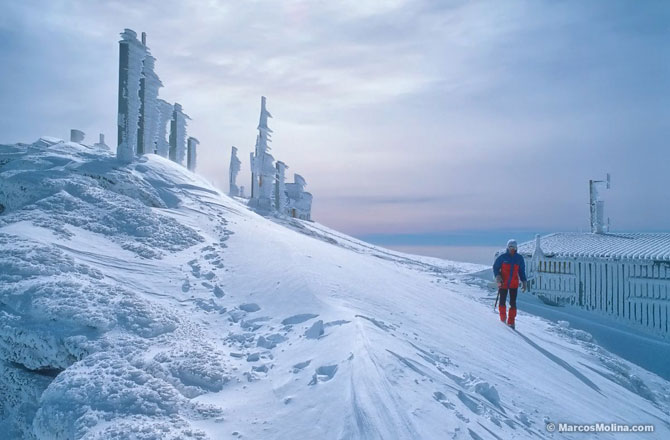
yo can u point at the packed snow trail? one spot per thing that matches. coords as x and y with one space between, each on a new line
139 301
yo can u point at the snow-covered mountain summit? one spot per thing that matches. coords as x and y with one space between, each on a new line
137 301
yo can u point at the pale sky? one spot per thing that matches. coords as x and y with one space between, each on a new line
406 118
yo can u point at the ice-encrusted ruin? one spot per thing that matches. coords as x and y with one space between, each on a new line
142 116
191 153
165 110
280 187
235 165
299 201
269 192
262 165
178 135
131 60
149 113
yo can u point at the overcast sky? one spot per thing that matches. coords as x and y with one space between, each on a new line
405 117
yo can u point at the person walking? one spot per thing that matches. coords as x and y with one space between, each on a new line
508 269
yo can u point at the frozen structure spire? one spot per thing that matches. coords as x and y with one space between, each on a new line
147 133
191 153
235 165
299 201
262 165
280 188
131 57
597 205
165 110
178 135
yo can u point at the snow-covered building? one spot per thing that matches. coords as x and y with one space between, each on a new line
191 153
299 203
178 135
624 275
131 62
263 170
235 165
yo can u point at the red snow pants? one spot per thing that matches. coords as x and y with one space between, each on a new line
502 308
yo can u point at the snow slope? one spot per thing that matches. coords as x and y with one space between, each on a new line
139 302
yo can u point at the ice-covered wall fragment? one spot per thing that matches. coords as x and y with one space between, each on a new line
149 111
191 154
178 135
235 165
280 188
299 201
131 57
262 165
165 110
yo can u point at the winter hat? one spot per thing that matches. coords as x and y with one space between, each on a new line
511 243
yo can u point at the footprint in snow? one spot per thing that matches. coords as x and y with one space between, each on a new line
249 308
315 331
297 319
323 374
440 397
218 292
300 366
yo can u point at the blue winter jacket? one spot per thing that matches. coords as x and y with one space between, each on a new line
511 268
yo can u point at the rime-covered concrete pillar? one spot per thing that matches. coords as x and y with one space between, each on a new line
262 165
280 187
165 110
191 153
178 135
149 108
101 143
234 169
131 57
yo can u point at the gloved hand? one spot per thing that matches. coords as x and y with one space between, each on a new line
524 286
499 280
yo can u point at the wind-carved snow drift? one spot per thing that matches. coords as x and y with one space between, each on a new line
132 306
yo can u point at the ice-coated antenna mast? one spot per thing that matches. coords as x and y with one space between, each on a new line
598 206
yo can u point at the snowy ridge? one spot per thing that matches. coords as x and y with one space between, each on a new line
139 302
